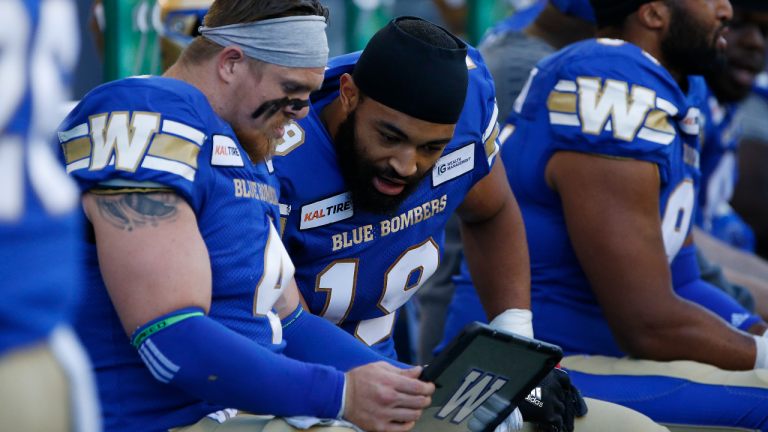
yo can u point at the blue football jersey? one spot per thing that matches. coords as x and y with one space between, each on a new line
39 225
354 268
605 97
719 173
160 134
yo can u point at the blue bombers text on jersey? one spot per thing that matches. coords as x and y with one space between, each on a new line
357 269
39 225
721 134
159 134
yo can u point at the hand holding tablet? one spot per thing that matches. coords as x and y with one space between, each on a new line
481 377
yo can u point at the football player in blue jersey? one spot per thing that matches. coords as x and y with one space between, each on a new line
510 50
187 280
603 158
514 46
722 157
746 59
46 382
721 234
750 199
399 137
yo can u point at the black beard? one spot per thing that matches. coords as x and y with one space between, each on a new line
358 174
689 49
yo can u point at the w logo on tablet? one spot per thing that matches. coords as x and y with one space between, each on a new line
471 394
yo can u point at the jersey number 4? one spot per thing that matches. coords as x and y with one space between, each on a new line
339 281
278 272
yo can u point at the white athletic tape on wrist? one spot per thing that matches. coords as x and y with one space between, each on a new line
761 362
516 419
343 398
518 321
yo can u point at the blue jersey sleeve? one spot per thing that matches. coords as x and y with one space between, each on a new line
131 137
481 111
615 100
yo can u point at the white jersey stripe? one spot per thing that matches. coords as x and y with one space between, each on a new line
654 136
564 119
184 131
170 166
77 131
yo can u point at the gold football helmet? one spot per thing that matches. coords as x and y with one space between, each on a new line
181 19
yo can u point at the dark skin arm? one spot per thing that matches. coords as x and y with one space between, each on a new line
495 245
612 213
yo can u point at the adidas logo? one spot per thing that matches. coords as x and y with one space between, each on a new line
535 397
738 319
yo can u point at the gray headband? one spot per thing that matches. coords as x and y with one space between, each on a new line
295 41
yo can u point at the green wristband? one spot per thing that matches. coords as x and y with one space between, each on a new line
147 332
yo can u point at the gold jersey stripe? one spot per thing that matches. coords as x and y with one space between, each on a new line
618 158
118 191
77 149
658 121
174 148
490 143
562 102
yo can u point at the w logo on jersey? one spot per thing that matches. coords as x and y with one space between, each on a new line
128 141
613 100
596 107
467 400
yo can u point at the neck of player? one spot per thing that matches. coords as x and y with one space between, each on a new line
331 117
649 40
201 78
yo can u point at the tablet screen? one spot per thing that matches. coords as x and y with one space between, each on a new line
486 366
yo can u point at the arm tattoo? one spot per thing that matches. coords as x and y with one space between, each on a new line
136 210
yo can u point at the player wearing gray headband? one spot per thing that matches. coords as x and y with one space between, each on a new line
295 41
261 68
184 233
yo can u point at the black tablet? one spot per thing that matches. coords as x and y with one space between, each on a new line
481 367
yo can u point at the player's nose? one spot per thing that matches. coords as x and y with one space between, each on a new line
754 39
724 10
404 161
292 114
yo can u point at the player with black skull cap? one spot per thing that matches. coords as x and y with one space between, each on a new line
399 137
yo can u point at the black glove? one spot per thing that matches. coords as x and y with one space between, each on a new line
554 404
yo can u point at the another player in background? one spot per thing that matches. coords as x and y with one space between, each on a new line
746 53
399 137
605 142
751 191
750 199
187 280
512 53
45 377
511 50
719 228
